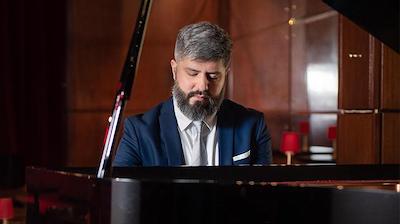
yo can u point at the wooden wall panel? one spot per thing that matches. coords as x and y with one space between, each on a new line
358 56
260 81
86 132
391 138
390 105
390 84
368 84
255 16
96 52
358 139
260 71
98 41
299 61
312 7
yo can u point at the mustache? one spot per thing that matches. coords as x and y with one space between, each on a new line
204 93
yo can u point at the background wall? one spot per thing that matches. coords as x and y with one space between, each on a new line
33 93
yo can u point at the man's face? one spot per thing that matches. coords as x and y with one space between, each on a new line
201 82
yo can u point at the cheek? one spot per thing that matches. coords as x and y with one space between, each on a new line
184 84
218 86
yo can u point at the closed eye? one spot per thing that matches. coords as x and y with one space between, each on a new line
192 72
213 75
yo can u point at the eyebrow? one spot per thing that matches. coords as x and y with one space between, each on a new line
191 70
195 70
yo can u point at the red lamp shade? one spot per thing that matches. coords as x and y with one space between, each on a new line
332 133
6 208
304 127
290 142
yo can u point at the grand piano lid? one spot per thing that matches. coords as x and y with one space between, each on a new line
378 17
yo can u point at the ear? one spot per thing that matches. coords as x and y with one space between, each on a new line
228 66
228 70
173 68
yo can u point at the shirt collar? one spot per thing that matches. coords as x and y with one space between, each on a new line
184 122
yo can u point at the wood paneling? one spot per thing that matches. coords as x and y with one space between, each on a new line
391 138
390 105
99 36
314 65
86 133
312 6
260 73
390 94
96 51
260 70
358 139
368 83
359 54
254 17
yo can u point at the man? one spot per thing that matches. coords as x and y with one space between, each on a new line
197 126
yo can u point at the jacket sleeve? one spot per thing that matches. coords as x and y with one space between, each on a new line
128 152
263 140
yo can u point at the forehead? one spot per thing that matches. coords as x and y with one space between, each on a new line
198 64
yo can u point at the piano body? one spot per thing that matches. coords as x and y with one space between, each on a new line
248 194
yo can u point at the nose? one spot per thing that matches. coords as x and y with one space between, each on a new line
202 82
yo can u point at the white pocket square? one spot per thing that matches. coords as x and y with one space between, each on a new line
241 156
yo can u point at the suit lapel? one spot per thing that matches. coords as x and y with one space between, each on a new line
225 126
170 140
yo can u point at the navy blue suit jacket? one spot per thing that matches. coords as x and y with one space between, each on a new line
152 138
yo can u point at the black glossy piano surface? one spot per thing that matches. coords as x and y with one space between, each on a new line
246 194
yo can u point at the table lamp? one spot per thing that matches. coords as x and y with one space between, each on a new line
290 145
6 209
332 137
304 127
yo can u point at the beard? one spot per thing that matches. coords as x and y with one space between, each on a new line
200 109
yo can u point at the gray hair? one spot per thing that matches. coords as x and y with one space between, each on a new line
203 41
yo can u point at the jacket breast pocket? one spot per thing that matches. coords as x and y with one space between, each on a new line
242 158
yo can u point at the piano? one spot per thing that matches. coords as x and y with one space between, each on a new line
245 194
336 194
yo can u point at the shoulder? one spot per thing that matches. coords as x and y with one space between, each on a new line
229 107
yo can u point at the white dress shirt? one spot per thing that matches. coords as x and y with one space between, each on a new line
190 139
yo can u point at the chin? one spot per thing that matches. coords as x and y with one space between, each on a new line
198 102
194 102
